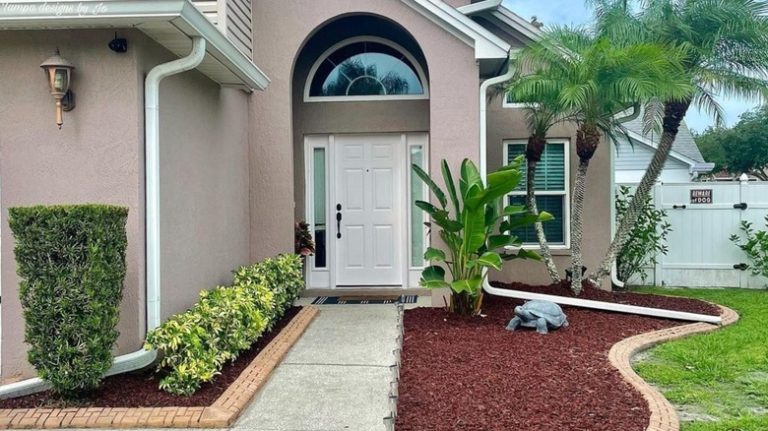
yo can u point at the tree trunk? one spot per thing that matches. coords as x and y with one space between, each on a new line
546 254
674 112
533 151
587 140
577 212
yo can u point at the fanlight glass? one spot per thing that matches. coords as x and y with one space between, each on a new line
366 69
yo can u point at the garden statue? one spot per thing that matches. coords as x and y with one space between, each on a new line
538 314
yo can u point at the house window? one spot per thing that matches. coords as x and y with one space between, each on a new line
510 102
551 186
366 68
417 216
319 182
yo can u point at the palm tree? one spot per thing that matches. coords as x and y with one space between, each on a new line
596 80
542 111
725 53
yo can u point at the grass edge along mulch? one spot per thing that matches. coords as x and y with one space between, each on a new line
719 380
522 380
221 413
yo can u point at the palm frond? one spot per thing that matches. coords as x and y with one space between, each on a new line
706 102
653 113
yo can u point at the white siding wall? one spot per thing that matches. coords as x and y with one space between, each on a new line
237 24
632 161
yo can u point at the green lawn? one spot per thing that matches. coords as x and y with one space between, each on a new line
718 380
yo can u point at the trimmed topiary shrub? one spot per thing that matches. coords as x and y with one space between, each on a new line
196 344
71 260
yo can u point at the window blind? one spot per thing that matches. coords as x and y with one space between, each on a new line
553 229
550 171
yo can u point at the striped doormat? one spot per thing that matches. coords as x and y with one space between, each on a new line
350 300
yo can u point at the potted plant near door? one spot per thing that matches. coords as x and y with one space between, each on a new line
304 245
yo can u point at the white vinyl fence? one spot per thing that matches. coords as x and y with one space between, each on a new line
703 217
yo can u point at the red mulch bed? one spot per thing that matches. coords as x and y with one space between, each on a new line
470 373
139 389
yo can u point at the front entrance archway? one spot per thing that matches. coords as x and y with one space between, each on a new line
361 108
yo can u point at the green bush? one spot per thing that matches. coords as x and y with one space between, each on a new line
755 246
197 343
647 239
71 260
225 321
282 275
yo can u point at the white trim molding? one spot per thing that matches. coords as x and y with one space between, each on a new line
326 278
373 39
486 44
566 245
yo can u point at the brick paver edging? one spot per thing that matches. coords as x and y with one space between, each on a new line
220 414
663 414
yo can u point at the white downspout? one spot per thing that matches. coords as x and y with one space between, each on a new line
140 358
484 116
518 294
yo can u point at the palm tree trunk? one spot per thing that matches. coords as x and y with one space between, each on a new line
587 140
577 212
674 112
546 254
533 154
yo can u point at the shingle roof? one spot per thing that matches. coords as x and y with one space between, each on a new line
684 143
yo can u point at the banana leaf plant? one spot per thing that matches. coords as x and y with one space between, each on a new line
476 229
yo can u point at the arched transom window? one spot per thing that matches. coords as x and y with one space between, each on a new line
366 68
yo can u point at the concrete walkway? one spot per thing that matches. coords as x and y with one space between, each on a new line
337 376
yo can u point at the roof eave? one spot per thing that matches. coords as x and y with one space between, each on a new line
648 142
223 49
486 44
517 23
30 15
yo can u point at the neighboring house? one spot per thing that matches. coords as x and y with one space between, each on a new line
359 91
685 162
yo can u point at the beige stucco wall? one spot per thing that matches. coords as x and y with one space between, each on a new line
98 157
204 181
509 123
95 157
281 29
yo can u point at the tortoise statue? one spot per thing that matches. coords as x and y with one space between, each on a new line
542 315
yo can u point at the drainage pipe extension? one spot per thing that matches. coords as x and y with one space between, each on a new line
140 358
576 302
605 306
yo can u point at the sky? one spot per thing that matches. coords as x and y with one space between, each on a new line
574 12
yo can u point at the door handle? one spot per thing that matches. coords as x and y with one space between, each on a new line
741 266
682 207
741 206
338 221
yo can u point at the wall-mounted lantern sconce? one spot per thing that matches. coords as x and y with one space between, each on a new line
58 71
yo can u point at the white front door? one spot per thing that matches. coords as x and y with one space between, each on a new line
368 210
